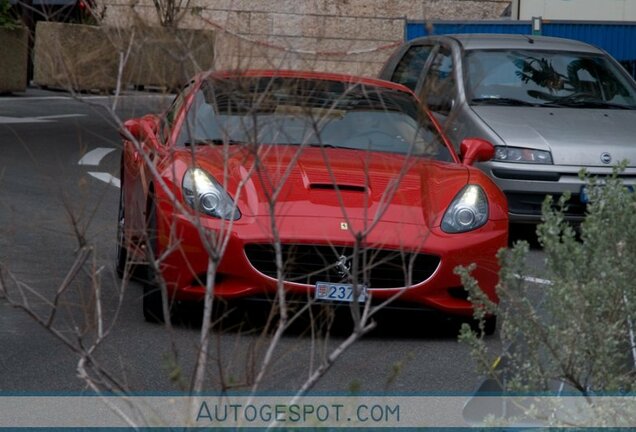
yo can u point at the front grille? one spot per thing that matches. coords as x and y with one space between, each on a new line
378 268
530 203
513 174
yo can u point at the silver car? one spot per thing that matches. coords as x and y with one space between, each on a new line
550 106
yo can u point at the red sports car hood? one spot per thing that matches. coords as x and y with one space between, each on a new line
329 182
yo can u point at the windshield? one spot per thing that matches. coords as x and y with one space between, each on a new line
546 78
292 111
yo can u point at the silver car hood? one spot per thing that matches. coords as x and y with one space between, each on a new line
575 136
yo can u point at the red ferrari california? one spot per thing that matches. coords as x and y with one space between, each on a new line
324 187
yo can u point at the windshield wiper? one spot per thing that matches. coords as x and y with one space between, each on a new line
211 141
505 101
333 146
583 102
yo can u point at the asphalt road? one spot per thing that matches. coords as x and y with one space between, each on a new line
50 205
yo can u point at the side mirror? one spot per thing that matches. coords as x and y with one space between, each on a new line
133 127
476 150
141 128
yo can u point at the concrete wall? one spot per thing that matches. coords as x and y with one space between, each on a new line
13 60
351 36
83 57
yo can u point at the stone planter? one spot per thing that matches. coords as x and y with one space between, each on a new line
82 57
74 56
14 56
168 57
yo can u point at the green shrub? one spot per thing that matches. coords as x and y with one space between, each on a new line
8 19
579 329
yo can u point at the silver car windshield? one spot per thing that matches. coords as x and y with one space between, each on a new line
546 78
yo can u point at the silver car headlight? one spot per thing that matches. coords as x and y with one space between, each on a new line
523 155
203 193
468 211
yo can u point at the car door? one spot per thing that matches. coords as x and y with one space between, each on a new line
437 86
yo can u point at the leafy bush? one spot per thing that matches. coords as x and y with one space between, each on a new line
7 17
577 330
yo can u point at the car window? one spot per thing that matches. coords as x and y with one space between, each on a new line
172 112
551 78
292 111
439 85
411 66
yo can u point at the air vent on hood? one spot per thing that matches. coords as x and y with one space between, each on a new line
342 187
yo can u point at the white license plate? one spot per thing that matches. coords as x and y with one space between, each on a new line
584 195
339 292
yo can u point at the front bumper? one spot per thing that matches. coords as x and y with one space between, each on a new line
527 185
184 268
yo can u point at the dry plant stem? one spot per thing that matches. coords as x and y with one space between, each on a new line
630 324
170 11
98 302
280 293
81 258
83 374
215 247
123 59
280 289
78 348
148 161
360 323
327 363
195 220
206 328
335 354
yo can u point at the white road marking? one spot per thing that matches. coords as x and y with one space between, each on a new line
78 98
107 178
44 98
59 116
40 119
95 156
535 280
36 98
16 120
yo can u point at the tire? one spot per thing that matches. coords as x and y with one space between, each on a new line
122 252
152 301
152 304
490 325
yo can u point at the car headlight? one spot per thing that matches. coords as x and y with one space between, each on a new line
523 155
468 211
203 193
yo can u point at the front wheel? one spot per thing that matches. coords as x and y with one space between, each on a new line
490 325
153 296
153 304
152 300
